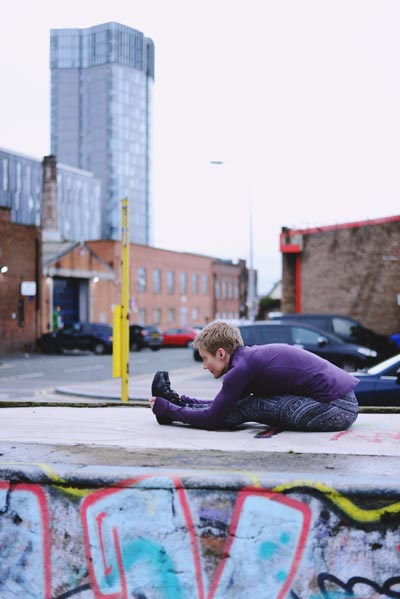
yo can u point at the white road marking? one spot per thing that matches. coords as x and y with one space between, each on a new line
30 375
83 369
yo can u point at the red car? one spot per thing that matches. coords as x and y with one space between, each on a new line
179 337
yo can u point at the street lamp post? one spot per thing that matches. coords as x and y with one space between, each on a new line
251 280
251 296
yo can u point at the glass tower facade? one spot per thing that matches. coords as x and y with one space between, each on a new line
101 117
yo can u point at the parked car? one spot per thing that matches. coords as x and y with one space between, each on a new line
345 355
86 336
179 337
380 384
148 336
349 330
396 339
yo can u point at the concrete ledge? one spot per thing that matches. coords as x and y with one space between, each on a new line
119 531
106 503
86 401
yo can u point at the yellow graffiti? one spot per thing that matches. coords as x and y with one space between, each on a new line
347 506
58 482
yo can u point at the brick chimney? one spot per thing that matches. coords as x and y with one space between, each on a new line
50 224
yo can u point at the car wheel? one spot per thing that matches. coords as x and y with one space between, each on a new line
48 348
154 348
99 348
196 355
189 344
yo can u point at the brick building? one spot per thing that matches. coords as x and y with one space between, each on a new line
167 288
170 288
351 269
82 281
20 276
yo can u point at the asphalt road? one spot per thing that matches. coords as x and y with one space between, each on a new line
25 375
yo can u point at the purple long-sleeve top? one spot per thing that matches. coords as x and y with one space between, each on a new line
264 370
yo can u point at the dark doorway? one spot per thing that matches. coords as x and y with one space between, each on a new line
66 300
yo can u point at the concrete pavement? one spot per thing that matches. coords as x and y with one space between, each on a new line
135 428
373 434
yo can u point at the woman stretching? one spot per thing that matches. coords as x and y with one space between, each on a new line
275 384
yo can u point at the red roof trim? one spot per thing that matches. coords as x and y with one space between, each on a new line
357 224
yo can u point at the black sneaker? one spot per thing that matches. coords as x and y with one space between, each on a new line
161 387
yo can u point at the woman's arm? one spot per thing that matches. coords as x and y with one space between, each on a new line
214 413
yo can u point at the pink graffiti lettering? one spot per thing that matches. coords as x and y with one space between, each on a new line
268 530
370 438
30 502
99 520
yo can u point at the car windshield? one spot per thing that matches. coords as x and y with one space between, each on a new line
378 368
313 328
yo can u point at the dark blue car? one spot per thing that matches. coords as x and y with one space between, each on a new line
380 384
84 336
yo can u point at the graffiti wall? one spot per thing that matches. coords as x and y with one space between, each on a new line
164 537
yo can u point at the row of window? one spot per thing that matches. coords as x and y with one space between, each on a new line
97 45
79 196
154 317
18 176
224 289
196 281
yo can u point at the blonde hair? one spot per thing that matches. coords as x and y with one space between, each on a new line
218 334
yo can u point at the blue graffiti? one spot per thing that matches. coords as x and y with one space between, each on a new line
149 561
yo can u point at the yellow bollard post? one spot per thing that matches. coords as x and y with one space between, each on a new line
116 356
125 301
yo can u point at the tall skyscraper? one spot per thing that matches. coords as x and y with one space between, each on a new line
101 116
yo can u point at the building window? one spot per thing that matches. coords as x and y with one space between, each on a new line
195 283
205 284
141 279
157 316
19 177
183 282
142 316
28 180
171 315
5 174
195 314
170 281
217 289
157 280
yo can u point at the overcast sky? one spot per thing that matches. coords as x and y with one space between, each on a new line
299 98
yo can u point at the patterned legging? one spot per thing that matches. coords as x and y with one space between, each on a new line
294 413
